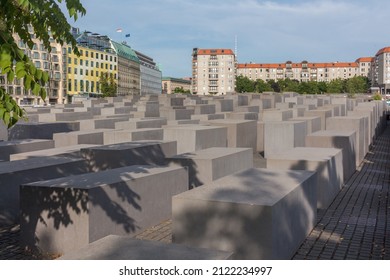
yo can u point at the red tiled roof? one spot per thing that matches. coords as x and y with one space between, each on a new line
215 51
365 59
383 50
298 65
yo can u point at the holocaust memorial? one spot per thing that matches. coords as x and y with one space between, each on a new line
238 176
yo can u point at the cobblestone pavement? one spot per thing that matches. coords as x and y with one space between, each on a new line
355 226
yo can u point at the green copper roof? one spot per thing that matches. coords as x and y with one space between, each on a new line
125 51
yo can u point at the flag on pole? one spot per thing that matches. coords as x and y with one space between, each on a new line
127 35
119 30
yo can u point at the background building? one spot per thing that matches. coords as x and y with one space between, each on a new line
129 75
169 85
150 75
305 71
381 69
51 62
213 71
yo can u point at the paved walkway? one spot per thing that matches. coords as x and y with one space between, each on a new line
355 226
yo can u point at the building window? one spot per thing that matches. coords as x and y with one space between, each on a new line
37 64
86 53
75 85
81 62
70 85
75 71
86 86
75 61
81 85
81 52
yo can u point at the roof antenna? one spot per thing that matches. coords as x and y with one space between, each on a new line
235 47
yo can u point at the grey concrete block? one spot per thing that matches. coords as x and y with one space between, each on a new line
109 123
62 215
240 133
191 138
133 153
242 116
141 123
68 151
276 115
345 140
351 123
95 137
327 162
176 114
205 118
313 124
324 114
8 148
208 165
257 213
113 247
282 136
40 130
15 173
121 136
260 137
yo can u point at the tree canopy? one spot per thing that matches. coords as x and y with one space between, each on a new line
108 85
351 86
48 21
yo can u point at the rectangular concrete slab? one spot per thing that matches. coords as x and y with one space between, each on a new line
282 136
62 215
191 138
345 140
8 148
257 213
145 152
240 133
351 123
68 151
115 247
208 165
15 173
327 162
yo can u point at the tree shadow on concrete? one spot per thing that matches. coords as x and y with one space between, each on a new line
250 219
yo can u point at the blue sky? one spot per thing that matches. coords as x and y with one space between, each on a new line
267 31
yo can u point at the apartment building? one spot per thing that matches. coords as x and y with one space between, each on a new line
51 62
150 75
382 70
306 71
169 84
84 71
213 71
129 75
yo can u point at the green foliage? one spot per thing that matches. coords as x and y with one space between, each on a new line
108 85
181 90
48 21
244 84
377 96
261 86
351 86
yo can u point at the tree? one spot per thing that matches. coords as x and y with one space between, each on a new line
336 86
108 85
244 84
357 84
48 21
274 85
181 90
261 86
